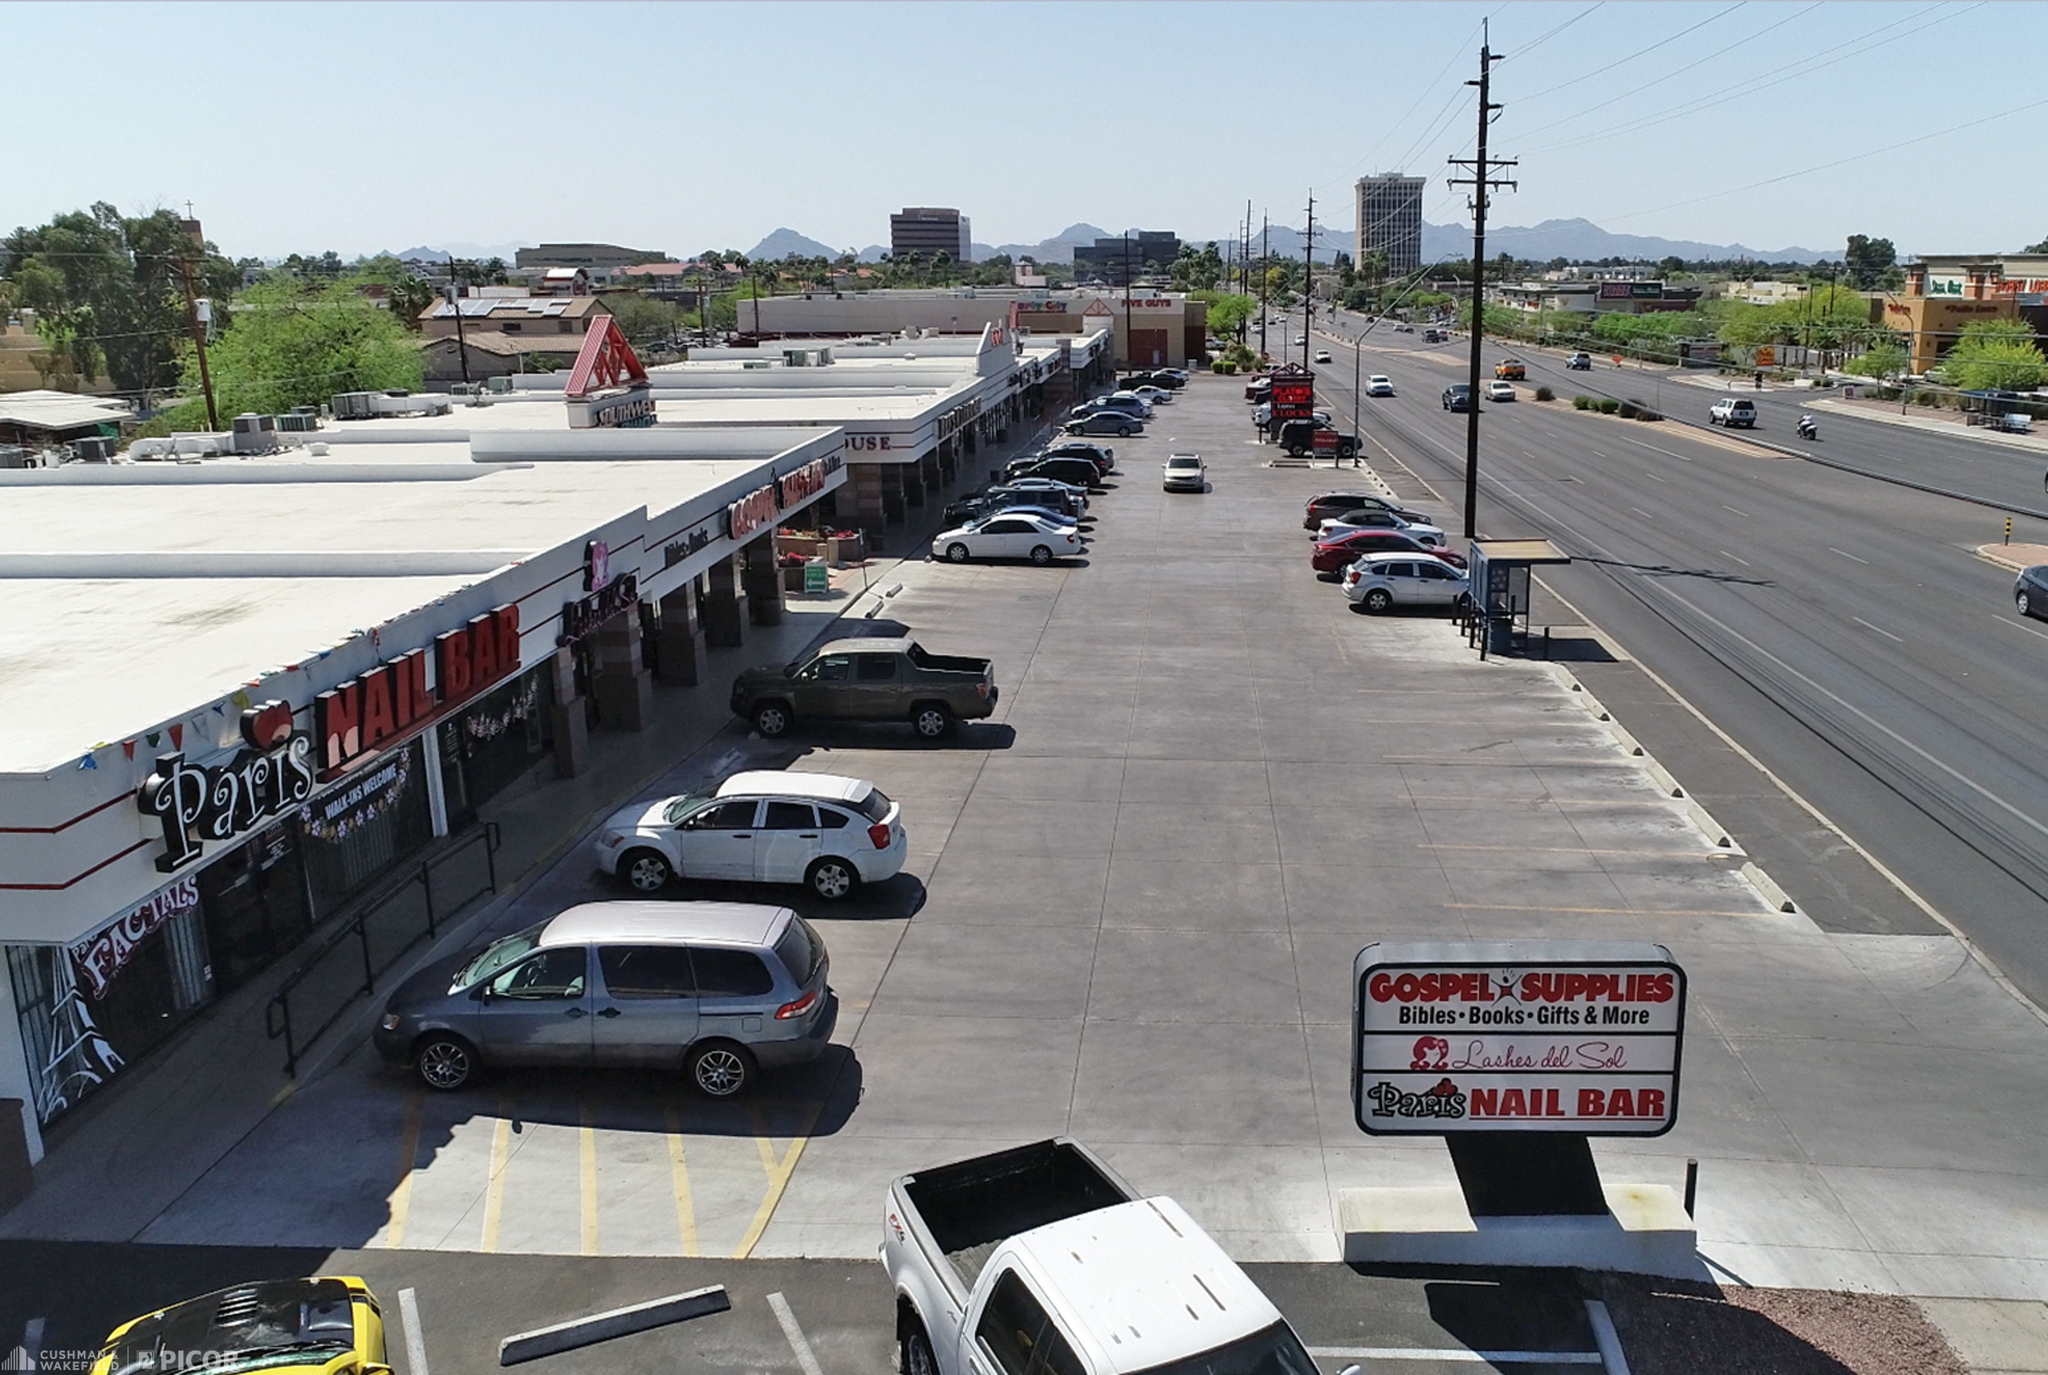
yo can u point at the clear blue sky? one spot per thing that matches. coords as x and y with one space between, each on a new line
362 127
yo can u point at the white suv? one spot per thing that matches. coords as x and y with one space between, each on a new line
829 833
1732 411
1380 582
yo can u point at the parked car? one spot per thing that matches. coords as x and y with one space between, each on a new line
1040 1261
1579 362
281 1327
1117 423
1101 455
1168 377
1153 396
720 990
1500 391
2030 591
1075 472
1733 411
1009 536
826 832
1458 397
1064 497
1341 550
866 679
1380 582
969 510
1510 370
1297 437
1330 504
1371 518
1322 355
1184 473
1379 385
1256 388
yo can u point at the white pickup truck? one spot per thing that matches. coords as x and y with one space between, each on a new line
1040 1261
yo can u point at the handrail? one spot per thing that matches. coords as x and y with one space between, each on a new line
277 1013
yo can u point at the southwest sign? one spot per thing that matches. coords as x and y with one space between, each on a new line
392 701
1522 1036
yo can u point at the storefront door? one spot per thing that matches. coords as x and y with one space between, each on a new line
255 905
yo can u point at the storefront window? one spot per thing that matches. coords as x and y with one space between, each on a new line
365 826
494 743
255 903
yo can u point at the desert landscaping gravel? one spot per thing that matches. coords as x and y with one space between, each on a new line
1670 1327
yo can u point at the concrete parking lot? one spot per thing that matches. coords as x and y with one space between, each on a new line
1129 915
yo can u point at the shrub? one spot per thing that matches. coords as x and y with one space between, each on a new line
1608 405
1629 409
1645 413
1545 394
1223 366
1582 403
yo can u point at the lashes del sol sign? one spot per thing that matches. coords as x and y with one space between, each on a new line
1537 1036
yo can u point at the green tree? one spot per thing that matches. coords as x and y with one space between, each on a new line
2041 247
642 319
297 344
407 297
1228 311
1996 355
1867 260
1879 360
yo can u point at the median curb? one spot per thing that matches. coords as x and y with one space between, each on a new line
2013 556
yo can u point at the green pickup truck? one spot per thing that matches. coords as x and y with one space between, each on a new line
868 680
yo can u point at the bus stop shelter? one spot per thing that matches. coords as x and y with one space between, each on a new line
1499 571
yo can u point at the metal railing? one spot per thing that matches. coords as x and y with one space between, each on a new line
321 971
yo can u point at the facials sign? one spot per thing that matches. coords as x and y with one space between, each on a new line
392 700
1544 1036
100 958
604 596
268 778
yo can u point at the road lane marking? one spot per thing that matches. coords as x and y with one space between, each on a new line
1878 628
1737 557
778 1175
1744 514
1641 512
415 1335
2020 625
1652 476
679 1173
1847 555
588 1134
409 1154
1655 450
798 1343
1603 911
494 1187
1454 1355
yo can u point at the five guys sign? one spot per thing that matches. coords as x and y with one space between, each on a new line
392 700
1516 1036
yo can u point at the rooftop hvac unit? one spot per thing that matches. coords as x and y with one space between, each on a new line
93 449
254 434
352 405
796 358
301 421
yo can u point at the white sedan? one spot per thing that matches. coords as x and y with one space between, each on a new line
1379 384
1009 535
1153 396
1380 582
1500 391
1372 518
827 832
1184 473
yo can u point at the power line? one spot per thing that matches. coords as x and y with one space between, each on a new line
1537 43
1641 52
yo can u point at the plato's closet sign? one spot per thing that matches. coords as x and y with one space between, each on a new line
1521 1036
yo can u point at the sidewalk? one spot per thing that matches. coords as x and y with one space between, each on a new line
128 1154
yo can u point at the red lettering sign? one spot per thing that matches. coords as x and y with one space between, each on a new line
389 702
751 512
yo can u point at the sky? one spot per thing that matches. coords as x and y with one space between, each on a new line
677 127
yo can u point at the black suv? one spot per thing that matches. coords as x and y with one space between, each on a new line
1101 455
1458 397
1077 472
1298 438
1330 505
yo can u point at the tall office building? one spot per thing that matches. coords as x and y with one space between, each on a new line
1120 259
1390 220
929 229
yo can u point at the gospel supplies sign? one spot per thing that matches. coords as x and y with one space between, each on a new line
1549 1036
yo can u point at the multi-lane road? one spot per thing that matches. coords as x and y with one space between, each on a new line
1840 627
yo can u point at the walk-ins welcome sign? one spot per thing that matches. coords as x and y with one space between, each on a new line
1516 1036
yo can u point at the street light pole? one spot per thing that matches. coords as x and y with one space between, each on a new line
1308 281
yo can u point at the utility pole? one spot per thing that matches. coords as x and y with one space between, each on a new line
1308 281
198 332
1130 350
1481 181
1265 247
455 304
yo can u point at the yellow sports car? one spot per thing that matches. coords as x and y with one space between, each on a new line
326 1325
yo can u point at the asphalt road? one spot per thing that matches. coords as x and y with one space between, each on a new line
1840 628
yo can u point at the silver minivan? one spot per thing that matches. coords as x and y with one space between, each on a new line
720 990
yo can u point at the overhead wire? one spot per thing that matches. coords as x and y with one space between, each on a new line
1640 52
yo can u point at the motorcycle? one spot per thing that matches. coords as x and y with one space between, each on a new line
1808 427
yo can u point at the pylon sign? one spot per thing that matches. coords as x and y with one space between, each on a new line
608 388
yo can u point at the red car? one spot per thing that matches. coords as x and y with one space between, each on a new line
1334 556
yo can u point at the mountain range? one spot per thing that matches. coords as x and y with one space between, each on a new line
1578 240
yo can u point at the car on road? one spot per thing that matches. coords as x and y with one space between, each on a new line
1328 504
1322 355
718 990
1579 362
1404 329
1379 384
1300 339
1009 535
1458 397
1432 336
279 1326
1381 582
827 832
1340 551
866 678
1731 411
2030 591
1298 437
1500 391
1184 473
1372 518
1105 422
1510 370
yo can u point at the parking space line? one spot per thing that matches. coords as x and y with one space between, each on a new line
1604 911
415 1335
1573 850
494 1184
1454 1355
588 1143
679 1174
409 1154
798 1343
1606 1338
778 1175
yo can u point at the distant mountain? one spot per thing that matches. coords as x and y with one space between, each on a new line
784 242
872 253
475 252
425 255
1575 240
1057 249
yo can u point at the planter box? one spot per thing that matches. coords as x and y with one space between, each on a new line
793 579
853 550
806 546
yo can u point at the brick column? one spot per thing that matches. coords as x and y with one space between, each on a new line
624 688
762 580
680 641
892 493
863 505
567 720
724 605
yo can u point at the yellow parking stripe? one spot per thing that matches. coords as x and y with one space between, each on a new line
778 1175
589 1134
494 1187
409 1151
686 1213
